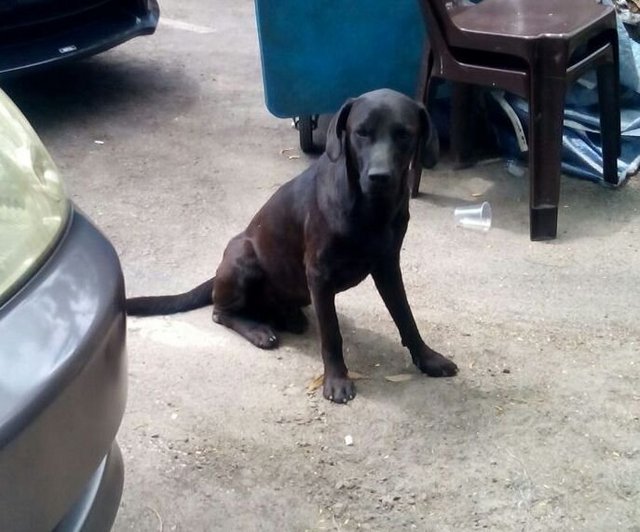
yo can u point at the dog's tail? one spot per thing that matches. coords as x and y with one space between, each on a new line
200 296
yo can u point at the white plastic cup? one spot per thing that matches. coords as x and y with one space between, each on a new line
477 217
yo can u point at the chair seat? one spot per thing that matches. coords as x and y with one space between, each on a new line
505 24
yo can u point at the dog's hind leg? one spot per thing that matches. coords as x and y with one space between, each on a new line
259 334
239 279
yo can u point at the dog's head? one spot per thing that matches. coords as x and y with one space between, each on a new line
378 134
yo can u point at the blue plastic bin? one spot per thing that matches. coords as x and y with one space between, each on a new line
317 53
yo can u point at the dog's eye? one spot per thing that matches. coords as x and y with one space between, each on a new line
402 134
364 133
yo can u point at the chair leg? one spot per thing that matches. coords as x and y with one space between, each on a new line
609 99
422 95
460 128
546 112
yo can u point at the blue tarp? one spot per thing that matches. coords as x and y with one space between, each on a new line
582 152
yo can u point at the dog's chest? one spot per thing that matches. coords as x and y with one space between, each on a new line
347 273
347 262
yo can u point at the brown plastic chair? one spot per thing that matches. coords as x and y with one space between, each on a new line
535 49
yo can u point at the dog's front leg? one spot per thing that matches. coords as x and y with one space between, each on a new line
338 387
388 279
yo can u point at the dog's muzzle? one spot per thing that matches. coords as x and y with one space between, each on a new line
380 179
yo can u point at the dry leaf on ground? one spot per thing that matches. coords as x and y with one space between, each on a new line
319 380
315 383
401 377
357 376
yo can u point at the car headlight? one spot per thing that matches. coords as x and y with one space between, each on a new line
33 205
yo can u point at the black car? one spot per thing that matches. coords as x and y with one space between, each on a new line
38 33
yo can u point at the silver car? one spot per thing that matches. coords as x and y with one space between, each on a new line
63 371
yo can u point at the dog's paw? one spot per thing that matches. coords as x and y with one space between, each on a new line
435 365
262 336
338 389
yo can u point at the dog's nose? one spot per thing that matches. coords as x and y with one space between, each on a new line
380 178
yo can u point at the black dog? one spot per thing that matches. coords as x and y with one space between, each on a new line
323 232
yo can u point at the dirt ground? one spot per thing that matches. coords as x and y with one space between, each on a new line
539 431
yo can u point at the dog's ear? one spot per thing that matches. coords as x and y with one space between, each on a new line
430 146
336 130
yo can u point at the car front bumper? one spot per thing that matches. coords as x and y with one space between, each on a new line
96 508
63 383
46 43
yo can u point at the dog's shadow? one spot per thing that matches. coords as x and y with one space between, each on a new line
363 348
386 376
380 364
